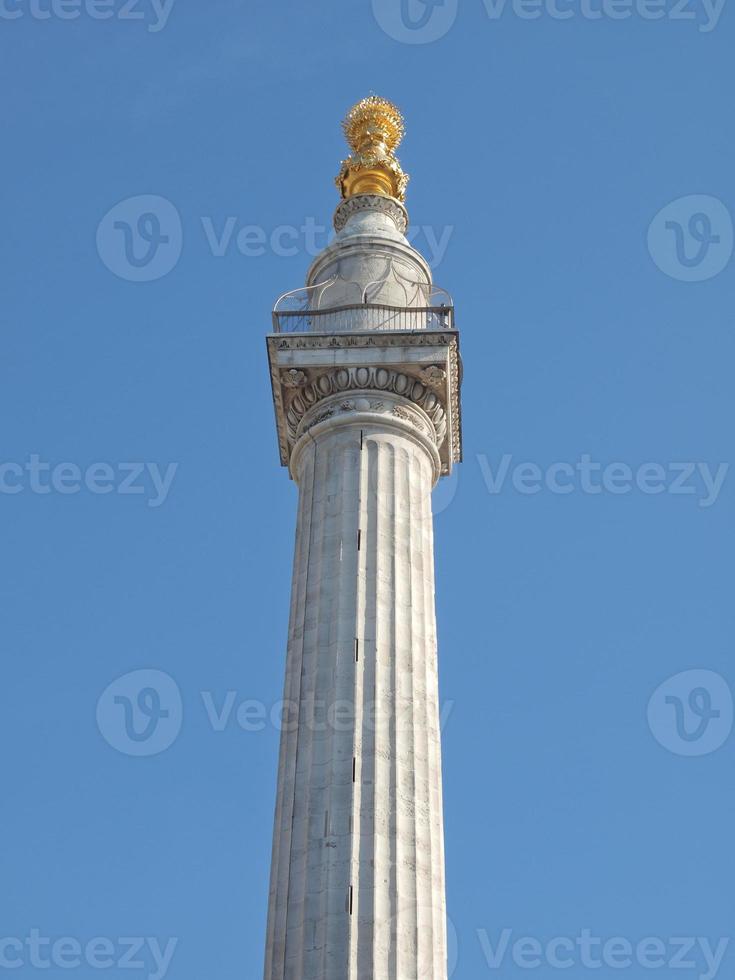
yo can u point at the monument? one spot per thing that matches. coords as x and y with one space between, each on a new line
366 375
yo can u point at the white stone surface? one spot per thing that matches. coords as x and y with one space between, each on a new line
367 422
363 570
370 260
313 356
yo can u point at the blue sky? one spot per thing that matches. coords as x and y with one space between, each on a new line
579 173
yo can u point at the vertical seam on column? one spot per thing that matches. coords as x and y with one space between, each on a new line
366 925
374 717
362 558
382 769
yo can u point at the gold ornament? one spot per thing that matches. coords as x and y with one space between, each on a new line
373 128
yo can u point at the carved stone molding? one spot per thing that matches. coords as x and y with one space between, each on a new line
374 379
293 378
408 416
389 412
433 376
310 369
374 338
371 202
455 407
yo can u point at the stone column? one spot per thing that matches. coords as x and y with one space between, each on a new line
366 376
357 884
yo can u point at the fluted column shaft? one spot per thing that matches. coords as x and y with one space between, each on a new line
357 883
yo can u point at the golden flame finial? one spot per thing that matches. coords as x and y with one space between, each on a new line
373 128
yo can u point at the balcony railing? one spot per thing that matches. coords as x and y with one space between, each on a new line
364 316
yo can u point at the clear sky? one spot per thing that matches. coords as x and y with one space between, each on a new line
544 141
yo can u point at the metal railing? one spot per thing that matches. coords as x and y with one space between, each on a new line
364 316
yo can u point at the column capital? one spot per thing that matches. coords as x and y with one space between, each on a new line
415 374
370 410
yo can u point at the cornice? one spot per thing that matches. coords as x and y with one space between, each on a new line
421 368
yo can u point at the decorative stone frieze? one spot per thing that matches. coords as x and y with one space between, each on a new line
375 379
421 367
371 202
391 413
293 378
